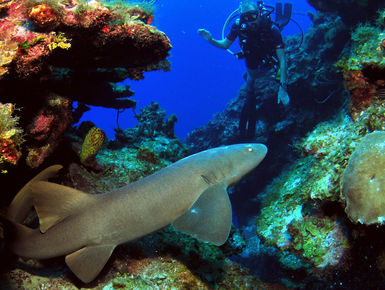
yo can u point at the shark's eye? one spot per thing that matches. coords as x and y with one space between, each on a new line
250 149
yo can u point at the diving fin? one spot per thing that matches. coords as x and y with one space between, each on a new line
283 18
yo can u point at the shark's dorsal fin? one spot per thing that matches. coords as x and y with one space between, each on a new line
22 203
54 202
87 262
209 219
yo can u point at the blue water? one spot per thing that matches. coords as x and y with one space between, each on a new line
203 78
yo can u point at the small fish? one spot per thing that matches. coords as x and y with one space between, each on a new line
149 20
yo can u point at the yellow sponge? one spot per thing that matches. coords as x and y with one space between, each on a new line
92 143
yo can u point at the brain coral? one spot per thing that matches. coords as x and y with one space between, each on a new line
363 182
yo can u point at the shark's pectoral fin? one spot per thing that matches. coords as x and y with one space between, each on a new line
54 202
87 262
209 219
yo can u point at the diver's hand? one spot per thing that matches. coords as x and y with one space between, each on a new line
205 34
283 96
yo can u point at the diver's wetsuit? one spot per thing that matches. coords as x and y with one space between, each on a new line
248 119
258 43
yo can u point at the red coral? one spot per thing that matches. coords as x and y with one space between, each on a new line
33 61
9 151
42 126
362 92
48 128
17 10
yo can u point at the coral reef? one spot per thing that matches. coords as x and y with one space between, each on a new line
363 181
351 11
131 156
364 68
151 121
301 223
11 137
47 128
62 51
45 15
8 51
302 210
113 44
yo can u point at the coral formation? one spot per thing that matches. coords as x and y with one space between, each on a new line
44 14
8 51
363 181
47 128
78 50
151 121
299 214
11 137
364 69
351 11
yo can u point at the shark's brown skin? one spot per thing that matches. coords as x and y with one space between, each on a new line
190 194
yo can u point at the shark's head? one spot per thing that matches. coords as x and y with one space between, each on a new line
244 157
229 164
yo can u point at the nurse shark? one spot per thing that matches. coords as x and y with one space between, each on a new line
191 195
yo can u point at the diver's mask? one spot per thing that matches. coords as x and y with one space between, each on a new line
249 16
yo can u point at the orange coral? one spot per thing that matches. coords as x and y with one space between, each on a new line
44 15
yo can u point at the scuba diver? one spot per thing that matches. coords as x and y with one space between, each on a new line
261 42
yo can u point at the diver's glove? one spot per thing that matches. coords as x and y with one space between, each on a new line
205 34
283 96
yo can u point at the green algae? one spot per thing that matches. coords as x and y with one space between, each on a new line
366 46
130 164
314 238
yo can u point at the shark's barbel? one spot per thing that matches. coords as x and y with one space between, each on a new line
190 194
